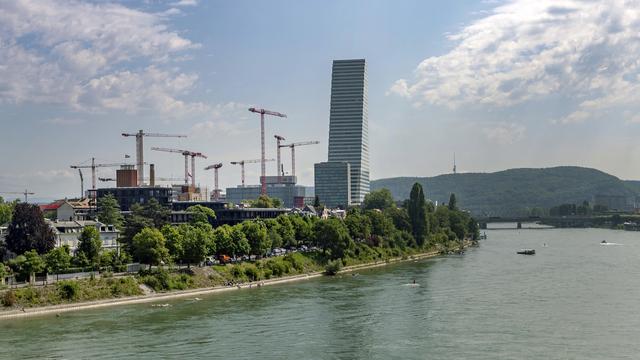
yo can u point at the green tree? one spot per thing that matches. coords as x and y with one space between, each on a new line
256 233
133 224
4 271
316 202
302 229
359 225
416 209
333 236
174 239
264 201
29 231
33 264
240 242
90 244
399 217
381 226
378 199
6 211
201 214
453 204
286 231
224 242
149 247
109 211
194 246
58 260
159 214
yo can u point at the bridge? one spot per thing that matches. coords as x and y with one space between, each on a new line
573 221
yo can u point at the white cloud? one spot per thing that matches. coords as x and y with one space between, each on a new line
530 49
70 52
64 121
230 119
504 133
185 3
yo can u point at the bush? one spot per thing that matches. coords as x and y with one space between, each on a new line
9 298
333 267
252 272
68 290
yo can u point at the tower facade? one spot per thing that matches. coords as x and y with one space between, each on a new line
348 123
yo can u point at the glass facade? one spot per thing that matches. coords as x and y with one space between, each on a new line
333 184
348 123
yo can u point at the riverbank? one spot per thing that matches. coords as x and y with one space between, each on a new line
157 297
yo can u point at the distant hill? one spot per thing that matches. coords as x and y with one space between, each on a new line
514 191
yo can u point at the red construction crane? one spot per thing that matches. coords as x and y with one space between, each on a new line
293 152
139 150
242 162
279 139
186 154
93 167
25 193
216 189
263 168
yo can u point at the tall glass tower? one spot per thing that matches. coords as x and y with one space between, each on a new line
348 123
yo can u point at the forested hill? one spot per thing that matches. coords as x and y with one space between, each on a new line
514 191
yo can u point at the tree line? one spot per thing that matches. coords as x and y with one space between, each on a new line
148 237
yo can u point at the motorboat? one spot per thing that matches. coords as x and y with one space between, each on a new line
526 252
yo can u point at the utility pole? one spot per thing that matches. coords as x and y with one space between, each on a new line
263 170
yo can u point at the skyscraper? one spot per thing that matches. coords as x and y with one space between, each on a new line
348 123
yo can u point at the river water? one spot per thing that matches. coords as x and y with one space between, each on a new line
574 299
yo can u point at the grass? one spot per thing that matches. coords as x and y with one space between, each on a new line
165 280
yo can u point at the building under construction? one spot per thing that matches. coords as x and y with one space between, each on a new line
283 188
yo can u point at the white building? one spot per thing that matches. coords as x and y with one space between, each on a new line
68 233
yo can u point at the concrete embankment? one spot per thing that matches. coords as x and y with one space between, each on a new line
158 297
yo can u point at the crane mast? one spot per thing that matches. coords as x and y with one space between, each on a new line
140 150
263 168
242 162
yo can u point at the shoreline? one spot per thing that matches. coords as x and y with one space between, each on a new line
57 309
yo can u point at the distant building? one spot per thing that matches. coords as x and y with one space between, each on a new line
333 184
68 233
68 209
349 124
225 215
348 138
292 195
127 196
127 176
614 202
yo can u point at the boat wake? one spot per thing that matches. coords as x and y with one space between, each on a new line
610 244
411 285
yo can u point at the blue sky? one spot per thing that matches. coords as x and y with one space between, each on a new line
501 83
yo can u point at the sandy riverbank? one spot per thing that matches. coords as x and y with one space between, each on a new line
157 297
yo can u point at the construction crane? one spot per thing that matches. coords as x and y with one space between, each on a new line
93 167
157 179
216 189
25 193
279 140
81 183
186 154
263 168
242 162
139 150
293 152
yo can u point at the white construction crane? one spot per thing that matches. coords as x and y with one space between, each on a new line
186 154
139 150
293 152
279 140
263 168
25 193
242 162
93 167
216 189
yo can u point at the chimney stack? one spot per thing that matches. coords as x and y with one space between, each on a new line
152 175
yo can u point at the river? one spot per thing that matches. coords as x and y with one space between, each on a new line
574 299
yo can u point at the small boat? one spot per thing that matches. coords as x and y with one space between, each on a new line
526 252
603 242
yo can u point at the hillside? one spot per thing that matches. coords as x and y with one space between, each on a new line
514 191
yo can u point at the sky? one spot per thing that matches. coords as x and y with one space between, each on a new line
502 84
